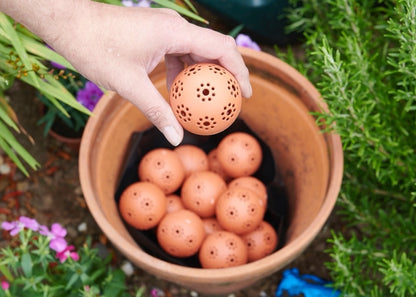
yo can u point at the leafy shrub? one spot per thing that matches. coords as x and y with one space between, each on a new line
361 55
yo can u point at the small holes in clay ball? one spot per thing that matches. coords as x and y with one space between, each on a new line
260 242
239 210
181 233
200 192
228 112
183 113
251 183
222 249
209 100
142 205
192 70
206 123
239 154
217 70
162 167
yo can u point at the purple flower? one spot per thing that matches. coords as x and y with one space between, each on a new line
66 253
23 222
136 3
56 235
89 95
245 41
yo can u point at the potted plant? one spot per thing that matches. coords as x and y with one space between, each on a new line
68 129
309 159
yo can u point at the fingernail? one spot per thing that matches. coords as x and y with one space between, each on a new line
172 135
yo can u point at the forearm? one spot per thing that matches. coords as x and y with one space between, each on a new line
45 18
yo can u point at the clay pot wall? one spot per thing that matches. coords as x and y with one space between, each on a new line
310 161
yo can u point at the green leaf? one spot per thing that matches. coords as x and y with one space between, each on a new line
40 49
7 274
54 89
191 6
5 23
116 285
72 281
234 32
181 10
4 115
113 2
27 264
7 142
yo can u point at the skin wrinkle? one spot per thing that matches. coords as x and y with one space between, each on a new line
154 114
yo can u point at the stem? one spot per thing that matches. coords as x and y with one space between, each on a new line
376 191
7 274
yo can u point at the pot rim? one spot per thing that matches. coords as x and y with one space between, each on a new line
239 273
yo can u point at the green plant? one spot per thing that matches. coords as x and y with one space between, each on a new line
39 262
24 56
362 57
85 92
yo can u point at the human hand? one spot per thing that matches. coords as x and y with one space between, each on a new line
117 47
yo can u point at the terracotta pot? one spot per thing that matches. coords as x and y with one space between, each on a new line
310 161
72 143
64 134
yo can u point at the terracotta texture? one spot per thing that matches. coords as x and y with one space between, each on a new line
310 161
73 143
205 98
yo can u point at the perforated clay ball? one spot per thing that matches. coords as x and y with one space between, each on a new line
240 210
211 225
251 183
239 154
193 158
205 98
181 233
223 249
142 205
200 192
261 242
162 167
174 203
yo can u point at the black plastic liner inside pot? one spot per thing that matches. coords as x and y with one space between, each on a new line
143 142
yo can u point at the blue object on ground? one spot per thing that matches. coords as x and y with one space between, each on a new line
309 285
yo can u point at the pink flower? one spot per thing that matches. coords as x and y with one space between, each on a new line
23 222
56 235
154 292
66 253
58 244
245 41
5 285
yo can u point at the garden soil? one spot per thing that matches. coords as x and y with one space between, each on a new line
53 194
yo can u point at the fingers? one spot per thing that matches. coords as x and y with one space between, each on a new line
174 65
205 44
146 97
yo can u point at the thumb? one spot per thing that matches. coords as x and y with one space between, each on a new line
147 98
